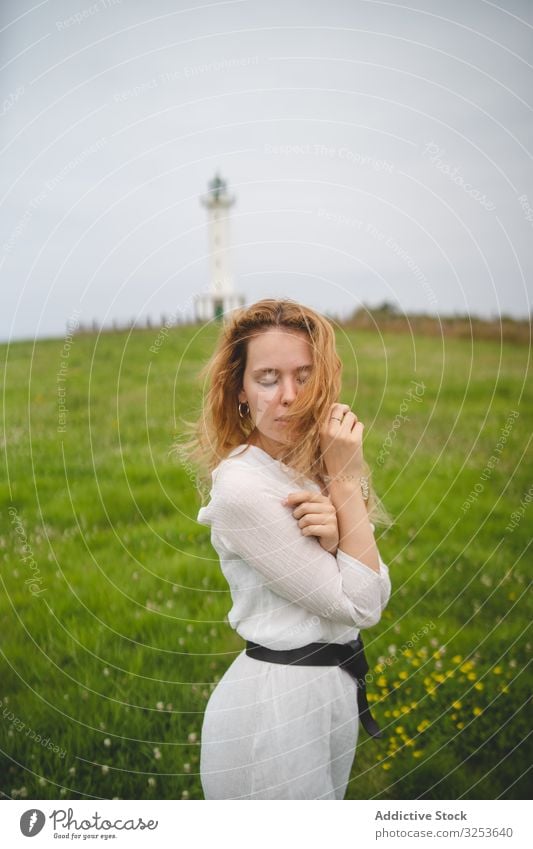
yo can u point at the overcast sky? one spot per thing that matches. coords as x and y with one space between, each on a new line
376 151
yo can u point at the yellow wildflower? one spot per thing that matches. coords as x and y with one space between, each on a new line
457 705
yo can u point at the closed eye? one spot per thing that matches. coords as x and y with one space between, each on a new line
273 382
304 376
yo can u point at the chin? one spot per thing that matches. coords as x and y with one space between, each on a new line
274 436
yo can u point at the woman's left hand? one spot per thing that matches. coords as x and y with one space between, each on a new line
316 517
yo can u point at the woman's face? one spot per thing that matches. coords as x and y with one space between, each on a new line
278 363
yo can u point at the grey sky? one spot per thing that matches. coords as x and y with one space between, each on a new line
377 151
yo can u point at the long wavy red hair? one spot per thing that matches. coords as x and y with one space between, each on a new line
220 428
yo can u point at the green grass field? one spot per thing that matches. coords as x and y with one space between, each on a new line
113 606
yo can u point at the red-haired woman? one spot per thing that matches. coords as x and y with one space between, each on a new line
290 512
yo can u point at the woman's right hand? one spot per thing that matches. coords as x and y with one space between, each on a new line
341 442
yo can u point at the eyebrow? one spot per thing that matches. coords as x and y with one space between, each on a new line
270 368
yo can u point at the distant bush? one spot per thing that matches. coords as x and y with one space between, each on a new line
388 316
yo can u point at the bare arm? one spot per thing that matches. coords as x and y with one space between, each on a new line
355 533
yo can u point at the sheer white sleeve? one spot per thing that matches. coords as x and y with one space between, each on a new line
249 519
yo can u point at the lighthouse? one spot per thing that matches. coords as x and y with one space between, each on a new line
221 298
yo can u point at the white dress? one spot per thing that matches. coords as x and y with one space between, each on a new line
275 731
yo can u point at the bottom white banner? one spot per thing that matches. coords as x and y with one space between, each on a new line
162 823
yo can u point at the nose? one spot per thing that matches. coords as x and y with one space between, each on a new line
288 390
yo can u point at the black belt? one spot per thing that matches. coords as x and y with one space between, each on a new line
349 656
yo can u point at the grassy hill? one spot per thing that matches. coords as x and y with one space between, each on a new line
112 604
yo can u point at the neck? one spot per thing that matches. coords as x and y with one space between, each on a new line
277 450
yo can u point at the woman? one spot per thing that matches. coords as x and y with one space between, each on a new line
288 482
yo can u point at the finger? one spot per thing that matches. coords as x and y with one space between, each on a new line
350 424
341 428
324 507
338 411
303 495
314 519
349 415
313 507
315 531
344 416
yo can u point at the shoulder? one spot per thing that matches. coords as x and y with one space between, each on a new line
250 486
241 455
238 476
231 470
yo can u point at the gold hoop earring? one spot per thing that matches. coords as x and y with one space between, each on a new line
241 414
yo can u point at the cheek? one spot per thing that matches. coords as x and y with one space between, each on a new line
264 397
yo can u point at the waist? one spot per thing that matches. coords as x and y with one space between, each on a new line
315 654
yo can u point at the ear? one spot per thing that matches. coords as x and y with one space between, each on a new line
242 396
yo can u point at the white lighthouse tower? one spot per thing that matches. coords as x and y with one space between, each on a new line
221 298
